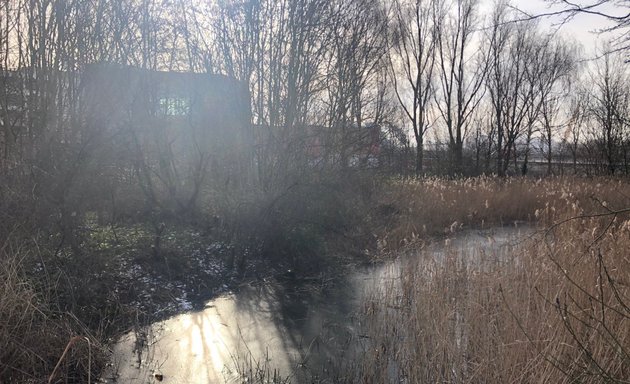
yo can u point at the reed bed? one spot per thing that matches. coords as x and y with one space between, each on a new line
419 208
554 308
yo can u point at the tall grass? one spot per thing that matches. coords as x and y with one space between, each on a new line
34 335
555 308
420 208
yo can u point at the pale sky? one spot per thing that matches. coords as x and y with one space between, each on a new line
580 28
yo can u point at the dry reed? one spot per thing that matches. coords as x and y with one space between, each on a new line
33 334
555 308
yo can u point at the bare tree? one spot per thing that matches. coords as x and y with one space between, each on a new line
461 72
616 12
278 48
512 70
355 63
553 84
610 103
574 134
412 59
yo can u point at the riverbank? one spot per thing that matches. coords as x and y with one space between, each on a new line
279 332
556 310
128 274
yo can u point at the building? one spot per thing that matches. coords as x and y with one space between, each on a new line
181 122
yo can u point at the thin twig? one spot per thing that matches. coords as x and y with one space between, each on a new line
73 341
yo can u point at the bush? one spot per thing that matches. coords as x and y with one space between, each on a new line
301 224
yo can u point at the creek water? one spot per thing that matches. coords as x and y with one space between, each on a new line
288 329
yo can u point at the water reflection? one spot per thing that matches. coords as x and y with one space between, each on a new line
292 330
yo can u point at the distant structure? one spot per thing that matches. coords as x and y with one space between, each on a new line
359 145
321 147
180 119
174 120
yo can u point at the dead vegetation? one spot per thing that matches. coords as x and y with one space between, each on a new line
34 334
554 308
416 208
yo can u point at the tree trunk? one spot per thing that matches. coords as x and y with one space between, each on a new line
419 156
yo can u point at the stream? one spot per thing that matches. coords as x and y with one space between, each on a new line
283 329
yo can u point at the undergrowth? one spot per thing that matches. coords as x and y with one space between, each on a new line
556 310
553 308
35 332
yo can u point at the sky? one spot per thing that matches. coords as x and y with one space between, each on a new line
582 28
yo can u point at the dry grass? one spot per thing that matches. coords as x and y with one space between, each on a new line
554 309
33 336
428 207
